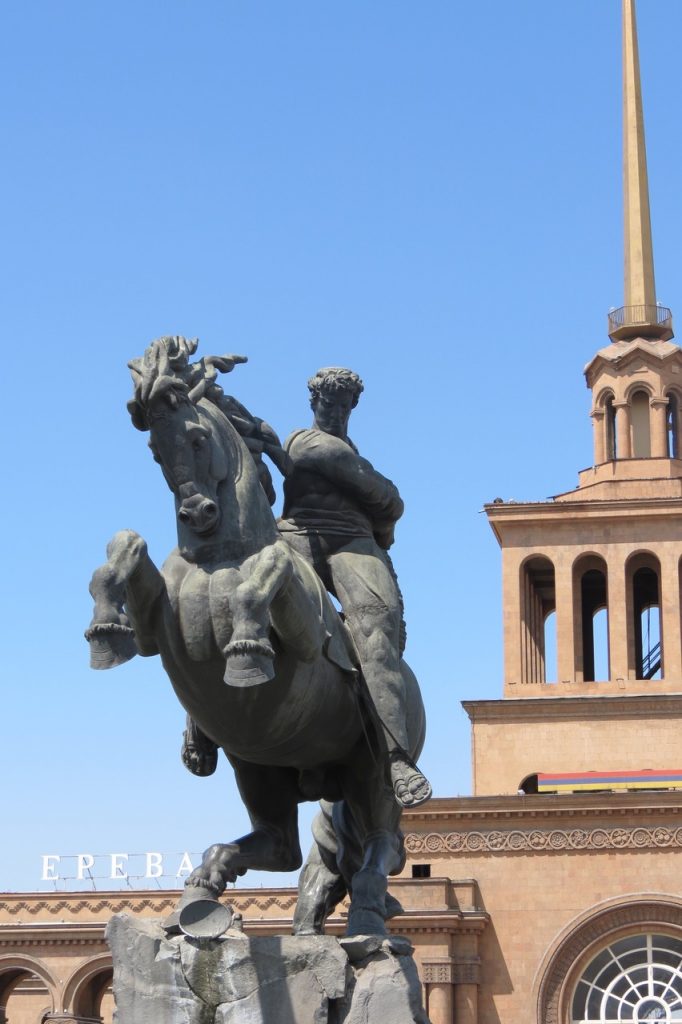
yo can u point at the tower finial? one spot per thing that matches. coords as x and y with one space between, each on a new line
640 289
640 314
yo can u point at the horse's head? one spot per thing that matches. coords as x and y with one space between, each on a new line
178 402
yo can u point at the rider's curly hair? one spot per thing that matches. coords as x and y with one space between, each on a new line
335 379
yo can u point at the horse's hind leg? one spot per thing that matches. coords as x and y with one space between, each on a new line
320 885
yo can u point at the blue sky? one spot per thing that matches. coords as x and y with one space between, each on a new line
429 194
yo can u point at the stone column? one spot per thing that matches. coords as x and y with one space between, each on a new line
467 975
438 977
671 641
659 427
623 442
565 618
598 423
512 598
618 624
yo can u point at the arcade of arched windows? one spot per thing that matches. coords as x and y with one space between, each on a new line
633 650
30 994
638 425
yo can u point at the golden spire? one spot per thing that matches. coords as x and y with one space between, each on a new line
640 289
640 314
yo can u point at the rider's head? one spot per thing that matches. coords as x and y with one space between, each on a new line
334 393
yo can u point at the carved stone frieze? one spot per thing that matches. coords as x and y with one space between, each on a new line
131 905
537 840
439 971
452 971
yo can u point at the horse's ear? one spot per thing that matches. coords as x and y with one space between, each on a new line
137 415
225 363
198 391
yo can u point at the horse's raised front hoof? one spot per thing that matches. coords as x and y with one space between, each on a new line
249 663
410 787
111 644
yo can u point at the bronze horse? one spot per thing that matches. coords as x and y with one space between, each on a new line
256 654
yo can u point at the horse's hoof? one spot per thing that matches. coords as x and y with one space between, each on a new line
111 644
410 787
249 663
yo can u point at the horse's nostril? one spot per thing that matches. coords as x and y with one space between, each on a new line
183 516
210 508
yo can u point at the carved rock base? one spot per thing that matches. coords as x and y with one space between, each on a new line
240 979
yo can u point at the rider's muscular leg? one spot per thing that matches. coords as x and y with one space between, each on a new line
370 599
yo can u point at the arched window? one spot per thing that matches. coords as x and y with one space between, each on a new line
23 996
529 785
645 639
637 978
611 447
673 426
591 619
538 601
640 425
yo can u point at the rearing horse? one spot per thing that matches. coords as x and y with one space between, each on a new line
256 654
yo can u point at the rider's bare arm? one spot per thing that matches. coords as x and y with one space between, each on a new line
317 452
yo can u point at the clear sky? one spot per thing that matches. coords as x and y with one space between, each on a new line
427 193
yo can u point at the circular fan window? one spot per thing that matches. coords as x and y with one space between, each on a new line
636 979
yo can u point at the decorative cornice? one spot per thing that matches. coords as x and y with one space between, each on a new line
518 512
283 902
135 904
556 840
112 905
529 808
572 705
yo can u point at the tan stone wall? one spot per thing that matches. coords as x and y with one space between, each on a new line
533 884
514 739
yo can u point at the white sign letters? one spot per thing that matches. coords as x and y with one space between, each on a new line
116 866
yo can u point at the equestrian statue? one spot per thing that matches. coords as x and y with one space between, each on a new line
306 704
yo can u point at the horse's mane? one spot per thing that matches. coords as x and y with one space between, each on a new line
165 374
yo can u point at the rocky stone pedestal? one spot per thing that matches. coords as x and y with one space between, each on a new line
240 979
